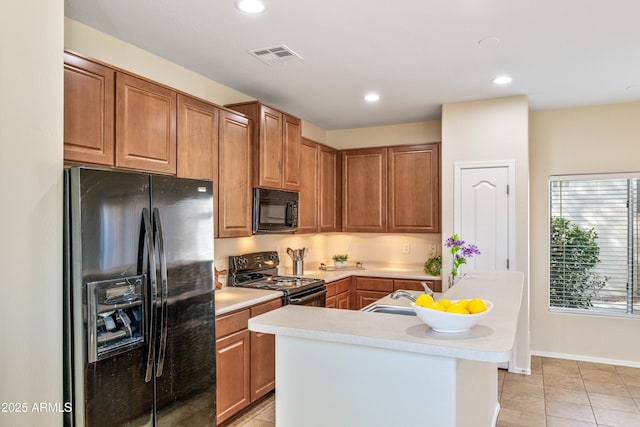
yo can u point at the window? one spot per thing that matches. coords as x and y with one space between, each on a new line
594 242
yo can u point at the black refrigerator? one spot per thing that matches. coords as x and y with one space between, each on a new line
138 292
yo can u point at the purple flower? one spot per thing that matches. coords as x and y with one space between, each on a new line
460 251
470 250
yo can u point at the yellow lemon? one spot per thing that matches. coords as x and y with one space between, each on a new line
444 302
434 306
423 300
476 305
462 302
457 308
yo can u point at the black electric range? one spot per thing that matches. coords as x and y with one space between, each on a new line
260 270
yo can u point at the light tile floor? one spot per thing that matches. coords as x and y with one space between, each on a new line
558 393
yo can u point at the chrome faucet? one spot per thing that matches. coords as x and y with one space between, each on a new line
408 295
427 289
402 293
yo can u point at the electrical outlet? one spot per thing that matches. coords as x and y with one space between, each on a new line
406 248
433 248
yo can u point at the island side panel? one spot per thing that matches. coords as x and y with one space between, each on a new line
323 384
476 393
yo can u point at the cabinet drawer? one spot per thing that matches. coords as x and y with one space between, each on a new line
342 285
331 289
265 307
230 323
374 284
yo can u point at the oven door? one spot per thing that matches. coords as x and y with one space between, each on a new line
316 297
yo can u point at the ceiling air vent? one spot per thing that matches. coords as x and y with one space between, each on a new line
275 54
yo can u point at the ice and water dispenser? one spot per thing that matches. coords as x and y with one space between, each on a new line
115 316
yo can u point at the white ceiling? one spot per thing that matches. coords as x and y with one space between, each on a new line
417 54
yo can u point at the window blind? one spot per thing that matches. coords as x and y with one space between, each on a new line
594 241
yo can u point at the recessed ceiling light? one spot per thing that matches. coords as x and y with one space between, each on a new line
489 41
250 6
502 80
372 97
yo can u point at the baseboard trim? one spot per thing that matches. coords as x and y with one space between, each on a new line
495 415
583 358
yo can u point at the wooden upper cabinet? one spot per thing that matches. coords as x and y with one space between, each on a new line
291 140
364 190
414 188
89 110
145 125
197 139
269 166
308 199
234 194
329 189
276 142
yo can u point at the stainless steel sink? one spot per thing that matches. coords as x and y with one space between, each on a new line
390 309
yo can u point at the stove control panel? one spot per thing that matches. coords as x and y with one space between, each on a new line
253 261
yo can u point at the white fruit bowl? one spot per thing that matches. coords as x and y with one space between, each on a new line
441 321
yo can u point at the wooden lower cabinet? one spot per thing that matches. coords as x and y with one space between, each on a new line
263 355
343 301
371 289
364 298
339 294
245 361
233 353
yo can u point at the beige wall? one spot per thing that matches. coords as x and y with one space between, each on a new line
575 141
376 136
491 130
100 46
31 88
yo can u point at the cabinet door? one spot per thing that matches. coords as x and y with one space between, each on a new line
364 190
329 185
308 197
263 355
197 139
414 189
291 140
234 194
269 165
342 301
145 125
233 374
89 110
364 298
331 302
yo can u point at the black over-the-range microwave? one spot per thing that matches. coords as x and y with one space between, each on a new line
274 211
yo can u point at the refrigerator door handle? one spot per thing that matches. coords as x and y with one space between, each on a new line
147 237
164 290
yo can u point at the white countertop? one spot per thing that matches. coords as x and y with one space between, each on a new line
490 340
230 299
394 271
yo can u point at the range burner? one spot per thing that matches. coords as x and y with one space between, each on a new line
260 270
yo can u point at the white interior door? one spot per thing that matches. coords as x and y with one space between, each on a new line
484 213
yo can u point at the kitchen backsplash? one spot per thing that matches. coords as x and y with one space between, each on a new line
364 247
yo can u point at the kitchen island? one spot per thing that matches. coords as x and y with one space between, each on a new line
351 368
